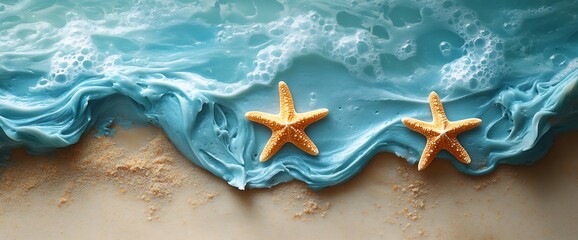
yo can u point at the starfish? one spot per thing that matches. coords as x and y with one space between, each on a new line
441 133
287 126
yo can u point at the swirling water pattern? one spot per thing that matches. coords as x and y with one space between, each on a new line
194 68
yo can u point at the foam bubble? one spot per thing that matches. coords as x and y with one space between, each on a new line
445 48
406 50
312 99
558 60
77 56
311 33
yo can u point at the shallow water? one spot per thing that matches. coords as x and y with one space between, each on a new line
194 68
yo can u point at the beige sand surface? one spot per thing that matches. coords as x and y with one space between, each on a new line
135 185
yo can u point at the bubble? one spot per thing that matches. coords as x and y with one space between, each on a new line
266 76
346 19
60 78
406 50
479 43
473 83
351 60
492 54
261 66
510 27
558 60
276 53
457 14
499 46
380 31
263 55
369 71
362 47
471 28
445 48
43 81
312 99
87 64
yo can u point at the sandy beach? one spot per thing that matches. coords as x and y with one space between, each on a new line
135 185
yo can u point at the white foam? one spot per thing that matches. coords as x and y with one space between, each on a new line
306 34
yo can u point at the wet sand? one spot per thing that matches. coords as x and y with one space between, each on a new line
135 185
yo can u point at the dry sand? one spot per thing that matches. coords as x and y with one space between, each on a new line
135 185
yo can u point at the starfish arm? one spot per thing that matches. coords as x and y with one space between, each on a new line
277 140
437 109
419 126
287 107
458 127
271 121
429 153
303 142
303 120
458 151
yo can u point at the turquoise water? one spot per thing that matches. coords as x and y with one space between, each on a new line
194 68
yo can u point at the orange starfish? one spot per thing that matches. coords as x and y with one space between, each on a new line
287 126
441 133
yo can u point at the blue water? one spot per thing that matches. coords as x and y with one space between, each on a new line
194 68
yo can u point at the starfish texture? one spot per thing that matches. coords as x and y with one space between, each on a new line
441 133
288 125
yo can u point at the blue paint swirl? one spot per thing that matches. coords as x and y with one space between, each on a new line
193 68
